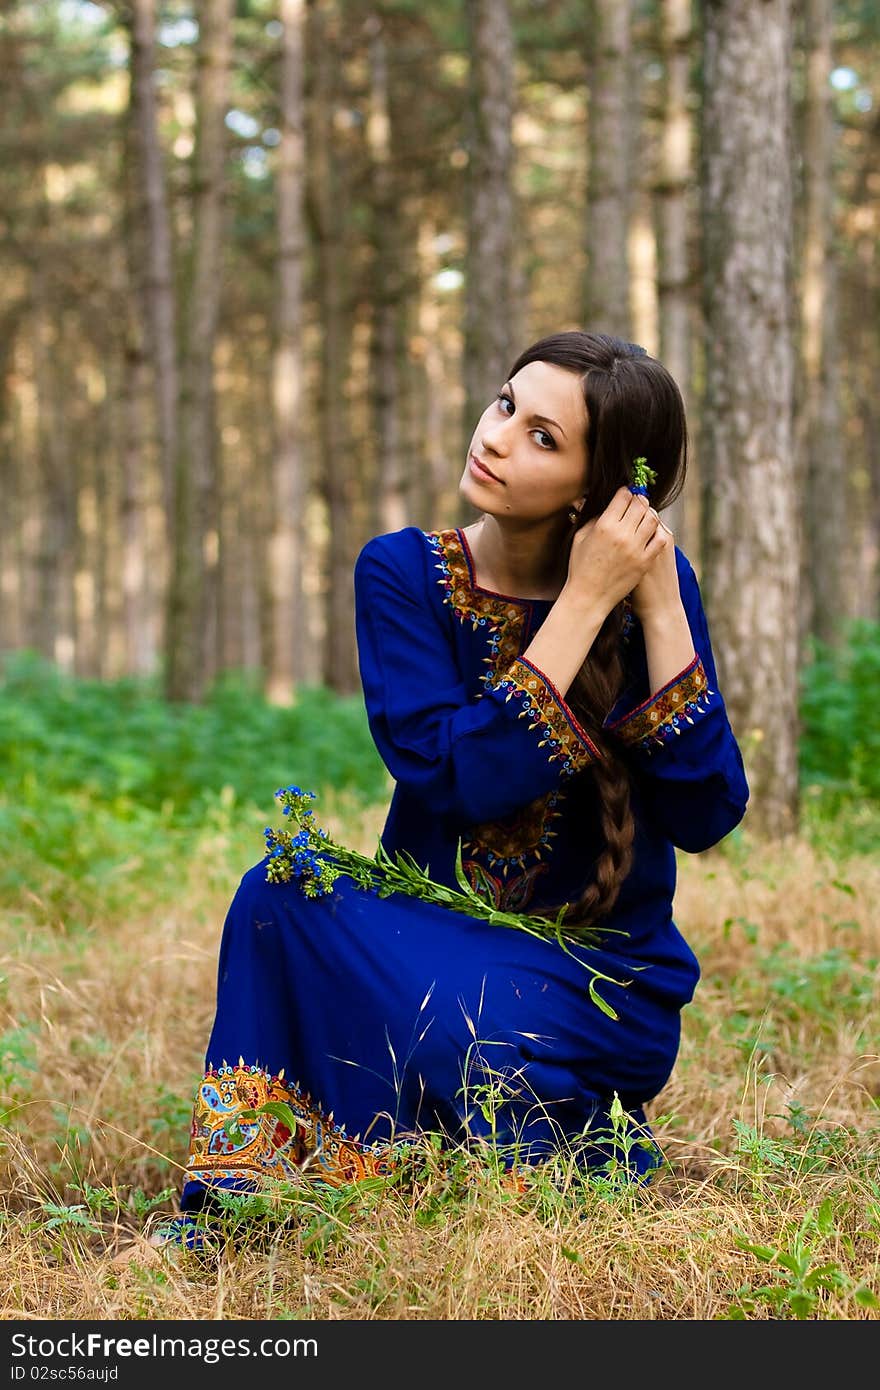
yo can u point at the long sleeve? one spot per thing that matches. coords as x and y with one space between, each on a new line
469 757
679 740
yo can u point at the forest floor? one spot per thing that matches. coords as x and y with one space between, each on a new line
768 1205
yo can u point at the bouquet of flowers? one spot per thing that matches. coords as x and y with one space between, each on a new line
309 857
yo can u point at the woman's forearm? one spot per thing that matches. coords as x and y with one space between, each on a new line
669 646
568 632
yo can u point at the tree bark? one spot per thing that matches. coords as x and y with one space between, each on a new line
12 617
54 616
388 287
287 548
675 275
824 491
192 626
149 350
152 220
489 346
609 173
338 466
750 514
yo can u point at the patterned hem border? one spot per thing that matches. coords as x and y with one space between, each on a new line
237 1132
547 711
663 715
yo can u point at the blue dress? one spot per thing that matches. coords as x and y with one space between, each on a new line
376 1019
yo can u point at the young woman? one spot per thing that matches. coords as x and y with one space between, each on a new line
541 686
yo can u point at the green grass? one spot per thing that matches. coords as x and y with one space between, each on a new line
126 825
101 780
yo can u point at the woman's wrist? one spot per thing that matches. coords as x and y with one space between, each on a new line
583 606
669 618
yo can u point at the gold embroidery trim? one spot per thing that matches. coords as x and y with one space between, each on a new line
542 706
663 715
503 619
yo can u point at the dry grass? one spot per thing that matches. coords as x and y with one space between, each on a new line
770 1125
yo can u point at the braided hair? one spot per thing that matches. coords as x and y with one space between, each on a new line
634 408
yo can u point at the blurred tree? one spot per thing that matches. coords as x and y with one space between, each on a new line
610 175
389 507
149 223
820 452
95 267
675 272
288 664
750 511
489 344
191 631
328 194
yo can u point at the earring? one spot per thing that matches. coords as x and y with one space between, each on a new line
573 514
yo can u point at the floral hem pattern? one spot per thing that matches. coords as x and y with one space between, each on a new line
237 1133
664 715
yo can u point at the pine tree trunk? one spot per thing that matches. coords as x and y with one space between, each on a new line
54 618
392 480
609 176
192 608
149 362
151 220
489 346
750 512
338 463
135 449
824 491
674 272
12 628
437 503
287 657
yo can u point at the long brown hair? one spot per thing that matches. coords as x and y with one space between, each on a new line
634 409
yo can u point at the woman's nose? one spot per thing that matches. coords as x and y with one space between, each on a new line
494 436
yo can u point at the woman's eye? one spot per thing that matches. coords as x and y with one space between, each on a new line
504 402
545 440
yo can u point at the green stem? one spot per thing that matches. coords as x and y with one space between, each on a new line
401 874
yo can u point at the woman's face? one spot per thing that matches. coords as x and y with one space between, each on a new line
527 458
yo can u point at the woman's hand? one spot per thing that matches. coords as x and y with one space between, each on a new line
613 554
657 594
656 602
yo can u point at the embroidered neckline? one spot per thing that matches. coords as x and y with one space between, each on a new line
479 588
503 619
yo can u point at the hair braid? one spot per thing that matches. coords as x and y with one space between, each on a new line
592 695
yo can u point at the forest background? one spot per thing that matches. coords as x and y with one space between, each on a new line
264 263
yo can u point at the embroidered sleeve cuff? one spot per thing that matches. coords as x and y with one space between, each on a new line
548 714
682 701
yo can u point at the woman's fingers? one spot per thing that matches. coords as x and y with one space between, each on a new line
660 541
620 503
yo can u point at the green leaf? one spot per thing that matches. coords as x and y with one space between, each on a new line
865 1297
281 1111
802 1304
460 875
825 1217
763 1252
600 1002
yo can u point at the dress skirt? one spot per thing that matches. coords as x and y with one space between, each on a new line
363 1022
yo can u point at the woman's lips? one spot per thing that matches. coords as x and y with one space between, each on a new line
480 471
